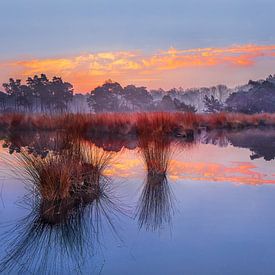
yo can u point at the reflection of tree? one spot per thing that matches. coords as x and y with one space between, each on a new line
215 137
259 142
156 202
38 143
71 202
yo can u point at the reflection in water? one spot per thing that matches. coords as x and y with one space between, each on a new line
37 142
70 201
261 142
155 206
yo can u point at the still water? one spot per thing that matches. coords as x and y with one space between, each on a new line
211 212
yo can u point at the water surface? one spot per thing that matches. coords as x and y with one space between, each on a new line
211 212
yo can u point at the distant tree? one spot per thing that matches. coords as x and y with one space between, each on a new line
39 94
41 91
139 97
182 107
3 100
52 95
105 98
157 94
61 94
25 98
166 104
212 105
258 99
12 88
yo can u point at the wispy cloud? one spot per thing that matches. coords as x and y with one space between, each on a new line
88 70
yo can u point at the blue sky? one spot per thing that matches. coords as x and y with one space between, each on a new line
34 29
42 28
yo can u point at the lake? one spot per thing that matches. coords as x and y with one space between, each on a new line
212 211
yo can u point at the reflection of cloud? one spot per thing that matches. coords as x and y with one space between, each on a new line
87 70
125 168
240 172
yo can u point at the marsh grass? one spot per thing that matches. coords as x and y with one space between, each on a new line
71 174
156 152
94 161
53 177
71 202
155 206
129 124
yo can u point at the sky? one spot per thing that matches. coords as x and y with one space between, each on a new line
166 44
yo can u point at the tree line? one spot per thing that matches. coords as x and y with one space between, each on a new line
112 97
258 98
39 94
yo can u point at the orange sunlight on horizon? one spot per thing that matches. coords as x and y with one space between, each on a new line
164 69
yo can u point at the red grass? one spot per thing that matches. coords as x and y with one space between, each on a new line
123 124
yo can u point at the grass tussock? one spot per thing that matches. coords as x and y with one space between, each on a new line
155 207
156 152
64 178
54 176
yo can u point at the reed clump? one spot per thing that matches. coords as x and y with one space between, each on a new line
65 177
155 205
54 176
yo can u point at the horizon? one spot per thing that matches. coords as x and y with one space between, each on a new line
124 84
154 89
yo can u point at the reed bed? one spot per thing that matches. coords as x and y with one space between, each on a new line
123 124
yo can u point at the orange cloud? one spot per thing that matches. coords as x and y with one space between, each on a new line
86 71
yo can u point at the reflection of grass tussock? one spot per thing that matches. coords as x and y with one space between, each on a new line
38 244
155 205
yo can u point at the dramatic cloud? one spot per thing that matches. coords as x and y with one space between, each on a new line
86 71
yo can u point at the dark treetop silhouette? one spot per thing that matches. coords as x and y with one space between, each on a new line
39 94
